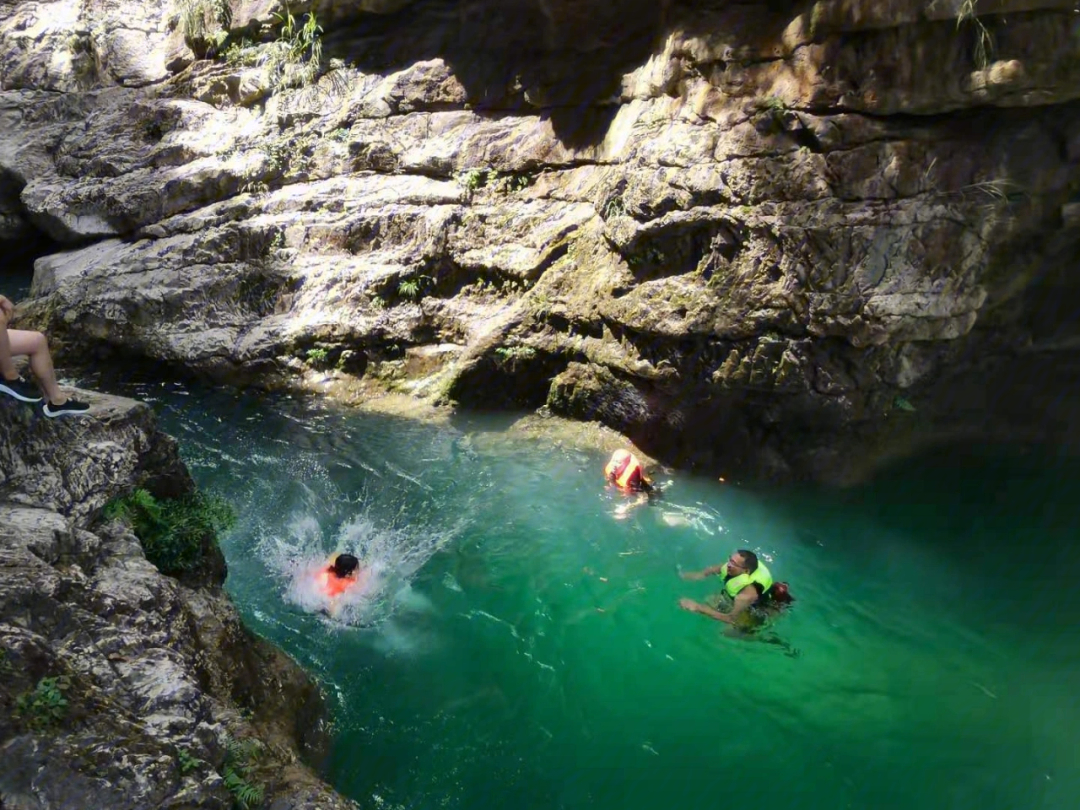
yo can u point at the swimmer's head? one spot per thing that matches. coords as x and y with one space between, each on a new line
345 565
780 594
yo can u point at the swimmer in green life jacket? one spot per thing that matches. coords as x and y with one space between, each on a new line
749 584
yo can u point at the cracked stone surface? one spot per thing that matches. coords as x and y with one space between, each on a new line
769 221
149 666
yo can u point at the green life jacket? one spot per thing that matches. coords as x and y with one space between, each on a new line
732 585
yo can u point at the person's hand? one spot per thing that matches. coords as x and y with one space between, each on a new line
691 576
689 604
7 309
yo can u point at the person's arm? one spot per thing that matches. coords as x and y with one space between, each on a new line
747 596
7 310
712 570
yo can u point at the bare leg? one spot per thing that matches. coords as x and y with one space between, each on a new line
36 347
7 365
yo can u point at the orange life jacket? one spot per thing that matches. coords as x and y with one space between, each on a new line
333 585
627 471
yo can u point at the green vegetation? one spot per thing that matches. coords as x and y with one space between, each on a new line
172 532
45 705
187 761
903 405
413 288
984 42
650 254
508 183
294 59
473 179
205 24
510 355
240 755
615 207
774 104
317 357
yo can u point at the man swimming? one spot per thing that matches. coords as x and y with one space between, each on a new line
747 581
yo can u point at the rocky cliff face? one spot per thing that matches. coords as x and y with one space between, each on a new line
750 236
120 687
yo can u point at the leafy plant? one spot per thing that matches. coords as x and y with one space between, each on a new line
242 53
172 532
205 24
188 762
317 357
473 179
239 757
902 404
615 207
774 104
508 183
45 705
294 59
512 354
414 287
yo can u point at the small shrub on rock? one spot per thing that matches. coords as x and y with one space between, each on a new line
173 532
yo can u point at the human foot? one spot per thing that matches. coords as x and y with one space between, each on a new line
69 407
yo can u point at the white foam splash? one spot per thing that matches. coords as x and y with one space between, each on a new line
389 556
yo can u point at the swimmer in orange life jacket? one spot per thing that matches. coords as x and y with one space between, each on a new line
625 471
340 575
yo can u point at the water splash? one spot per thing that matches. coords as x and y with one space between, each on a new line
390 555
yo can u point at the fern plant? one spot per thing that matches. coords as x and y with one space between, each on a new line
239 756
188 762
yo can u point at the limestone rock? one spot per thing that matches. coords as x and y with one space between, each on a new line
113 676
75 465
767 207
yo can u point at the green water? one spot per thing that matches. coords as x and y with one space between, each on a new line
528 652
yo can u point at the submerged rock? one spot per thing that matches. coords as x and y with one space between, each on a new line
121 687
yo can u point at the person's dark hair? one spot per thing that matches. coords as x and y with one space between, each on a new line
344 565
749 559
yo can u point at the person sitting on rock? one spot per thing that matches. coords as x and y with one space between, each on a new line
18 342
